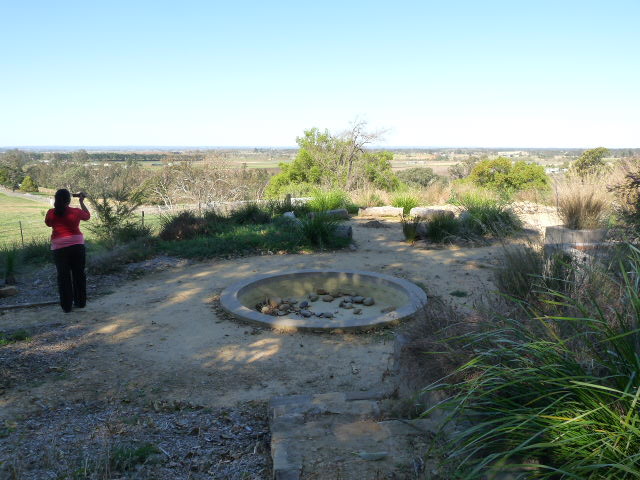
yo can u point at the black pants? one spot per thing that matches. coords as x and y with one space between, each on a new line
72 281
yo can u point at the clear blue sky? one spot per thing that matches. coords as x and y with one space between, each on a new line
556 73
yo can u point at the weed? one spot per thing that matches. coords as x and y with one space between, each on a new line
17 336
459 293
126 457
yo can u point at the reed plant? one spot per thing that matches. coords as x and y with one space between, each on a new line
552 396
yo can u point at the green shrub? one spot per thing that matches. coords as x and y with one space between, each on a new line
552 397
442 228
131 232
591 162
410 228
250 213
405 200
627 192
319 229
238 240
502 175
520 271
485 216
116 258
323 200
182 226
420 177
28 185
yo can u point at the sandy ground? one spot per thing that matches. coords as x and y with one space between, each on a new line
159 338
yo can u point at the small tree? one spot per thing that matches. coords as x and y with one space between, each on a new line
590 162
463 169
28 185
334 161
506 177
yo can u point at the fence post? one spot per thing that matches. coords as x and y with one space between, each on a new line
142 218
287 202
21 234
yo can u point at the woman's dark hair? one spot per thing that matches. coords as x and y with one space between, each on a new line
62 200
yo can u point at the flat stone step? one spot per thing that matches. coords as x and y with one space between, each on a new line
342 435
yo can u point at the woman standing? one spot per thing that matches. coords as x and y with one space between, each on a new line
67 243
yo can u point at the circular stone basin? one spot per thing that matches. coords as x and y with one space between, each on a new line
395 299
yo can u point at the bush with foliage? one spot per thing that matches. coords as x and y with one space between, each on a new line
463 169
28 185
333 161
418 177
591 162
502 175
627 193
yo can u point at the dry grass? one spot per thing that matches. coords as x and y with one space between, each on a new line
583 204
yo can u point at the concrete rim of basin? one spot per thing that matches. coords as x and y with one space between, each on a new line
231 304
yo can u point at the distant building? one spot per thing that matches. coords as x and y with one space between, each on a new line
513 154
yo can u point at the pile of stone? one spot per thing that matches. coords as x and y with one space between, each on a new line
277 306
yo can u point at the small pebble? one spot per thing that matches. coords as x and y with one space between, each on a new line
275 302
327 298
305 313
357 311
358 299
321 291
313 297
304 304
368 301
387 310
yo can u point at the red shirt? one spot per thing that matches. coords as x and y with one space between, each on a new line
68 224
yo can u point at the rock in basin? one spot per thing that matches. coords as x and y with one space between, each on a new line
406 298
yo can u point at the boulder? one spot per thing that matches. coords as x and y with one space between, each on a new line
427 213
8 291
381 212
337 213
344 231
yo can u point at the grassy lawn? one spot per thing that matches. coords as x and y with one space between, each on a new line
16 210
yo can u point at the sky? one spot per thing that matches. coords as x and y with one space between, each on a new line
453 73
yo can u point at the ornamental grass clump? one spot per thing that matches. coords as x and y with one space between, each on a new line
442 227
405 200
552 396
582 206
486 216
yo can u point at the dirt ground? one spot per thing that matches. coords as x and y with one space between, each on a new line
160 336
159 340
